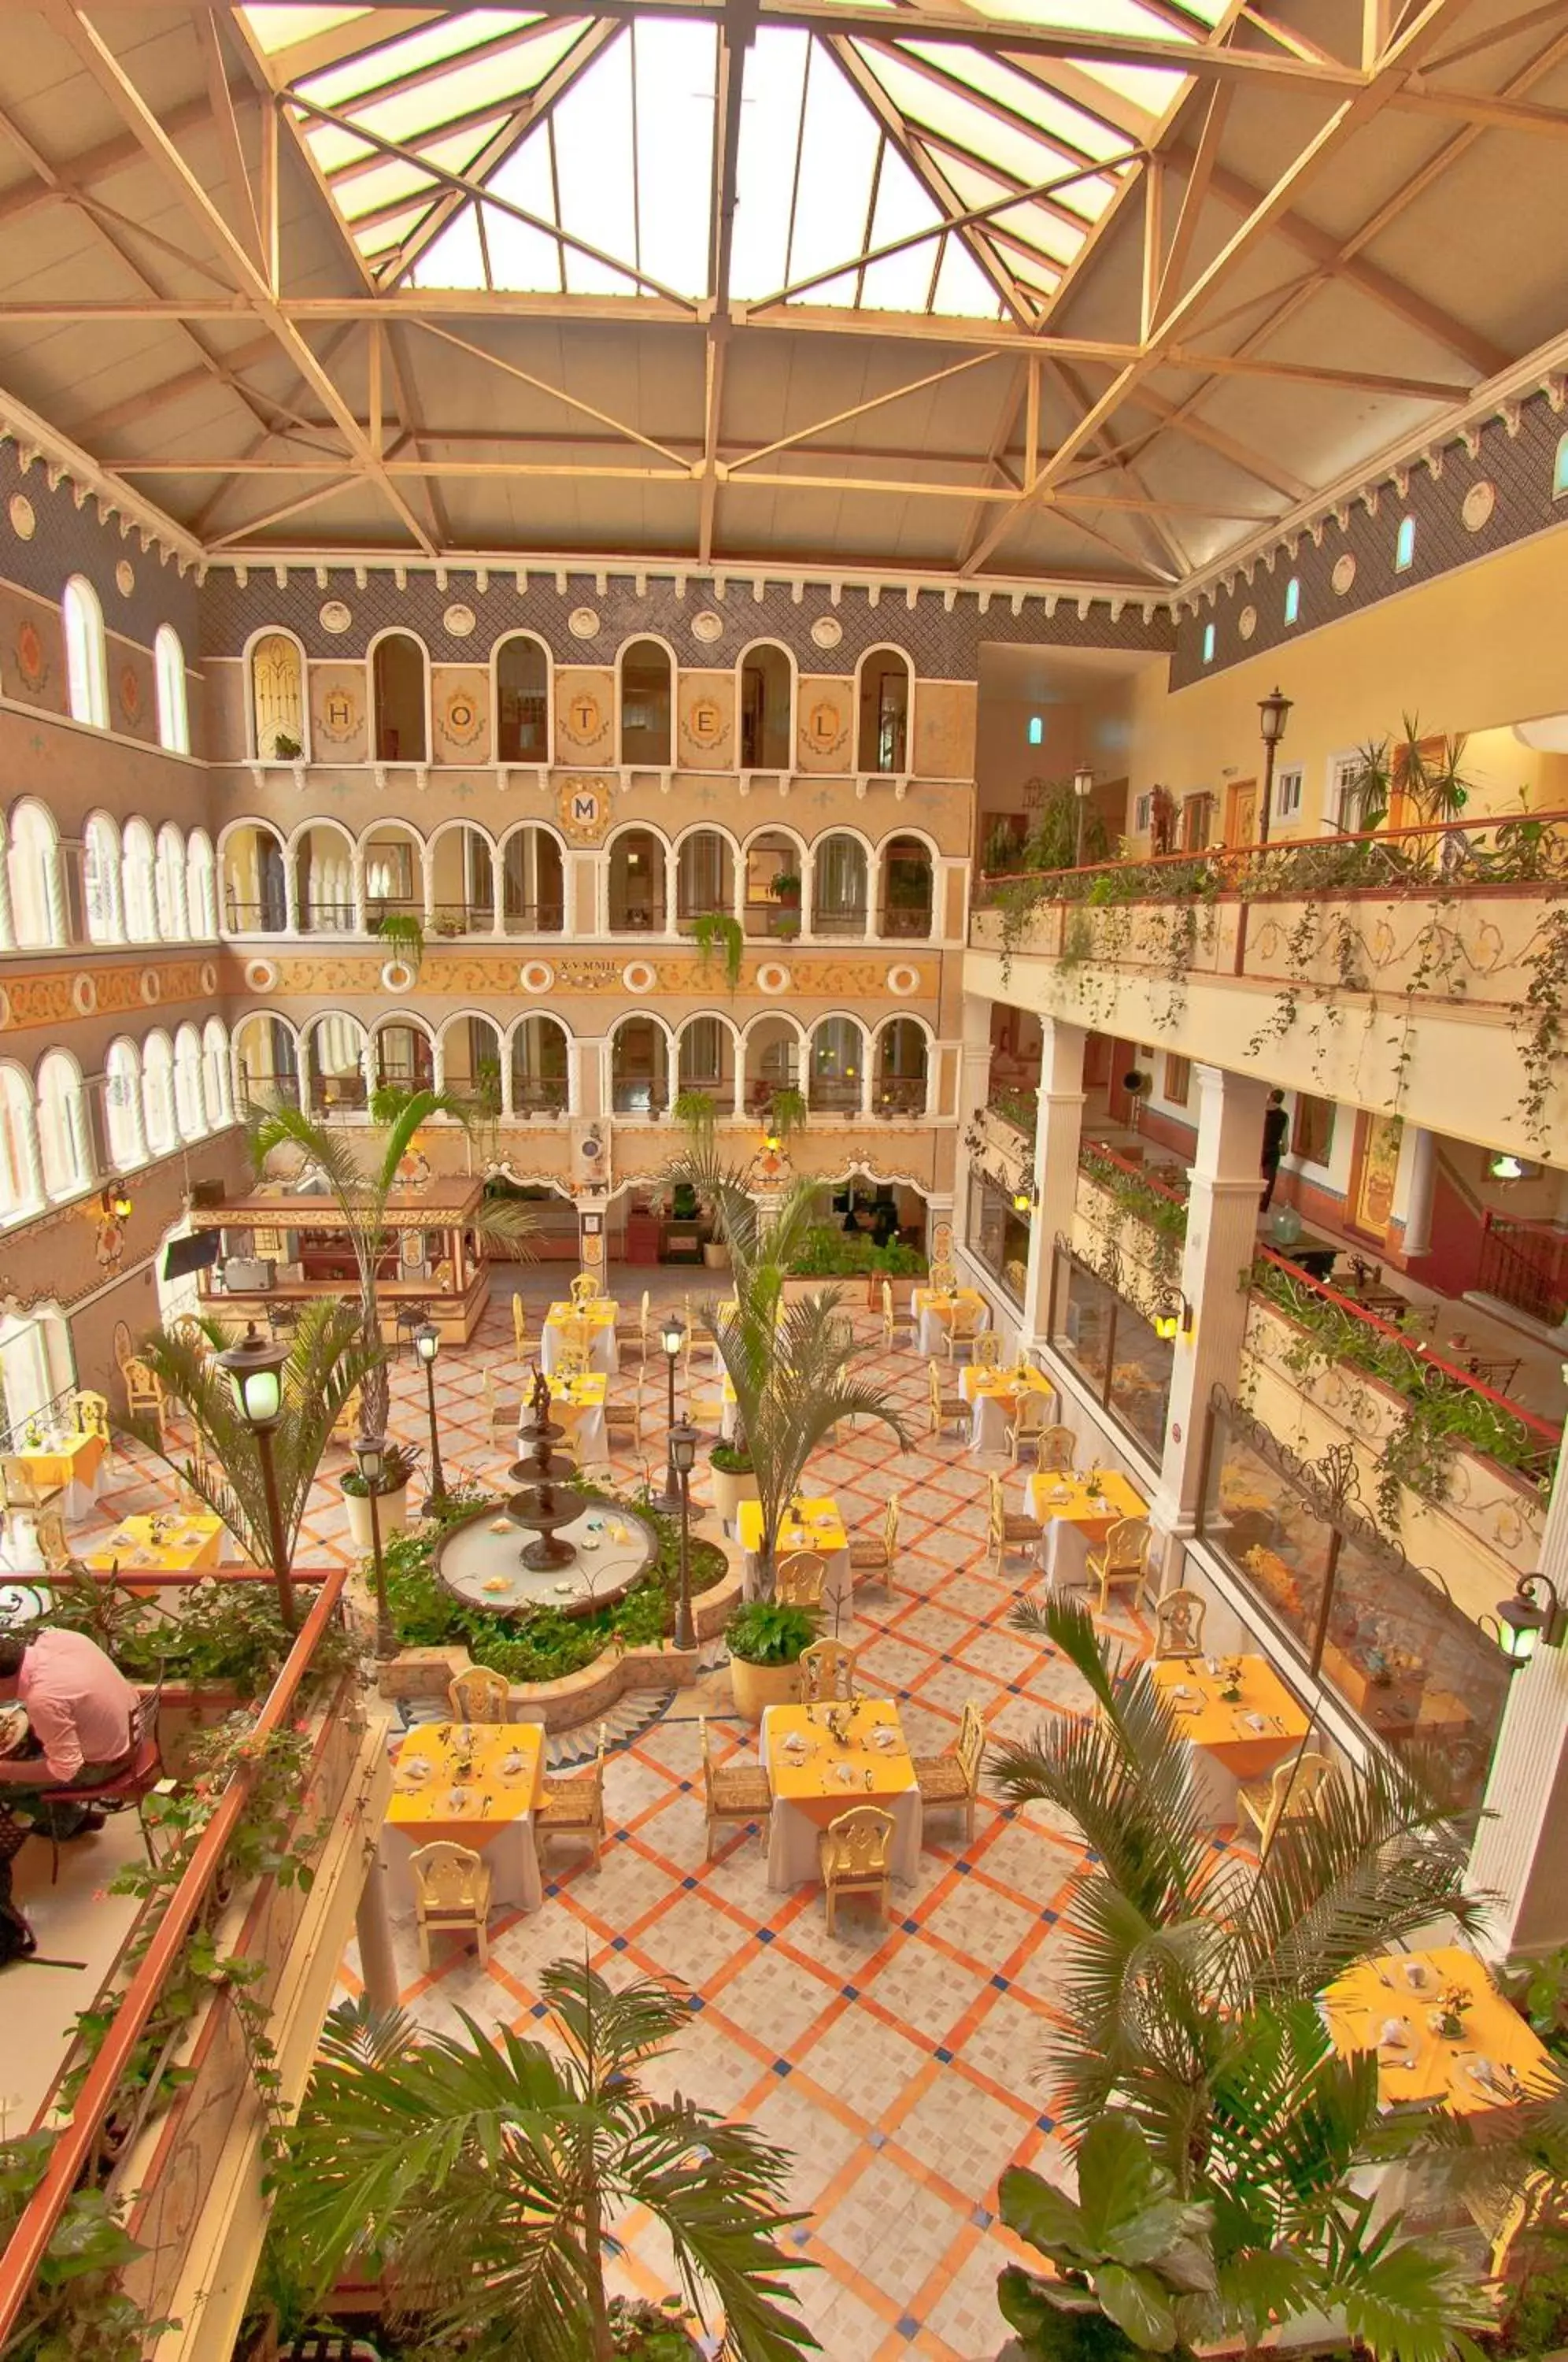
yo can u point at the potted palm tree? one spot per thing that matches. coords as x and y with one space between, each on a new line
483 2175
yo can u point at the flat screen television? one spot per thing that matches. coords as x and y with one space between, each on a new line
197 1252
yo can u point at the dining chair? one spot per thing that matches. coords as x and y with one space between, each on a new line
90 1412
349 1420
942 1276
585 1288
633 1335
963 1330
573 1808
521 1346
872 1556
852 1851
23 1490
1009 1529
502 1412
1178 1624
799 1578
452 1895
952 1778
144 1394
479 1693
132 1785
891 1324
827 1673
49 1526
123 1345
623 1422
743 1792
1290 1793
1123 1559
984 1350
1055 1449
1031 1420
946 1410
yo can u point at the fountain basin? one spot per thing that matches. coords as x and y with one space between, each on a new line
470 1555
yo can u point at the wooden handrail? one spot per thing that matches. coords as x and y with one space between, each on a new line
76 2142
1386 835
1133 1172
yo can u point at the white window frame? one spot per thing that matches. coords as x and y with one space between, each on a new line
86 654
1144 812
173 714
1288 790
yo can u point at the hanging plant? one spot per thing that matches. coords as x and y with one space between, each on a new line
719 932
403 930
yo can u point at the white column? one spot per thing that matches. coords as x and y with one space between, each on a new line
497 883
973 1088
1520 1853
1420 1190
1057 1136
588 1075
291 895
1221 1238
807 876
378 1966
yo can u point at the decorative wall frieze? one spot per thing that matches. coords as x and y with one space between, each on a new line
31 998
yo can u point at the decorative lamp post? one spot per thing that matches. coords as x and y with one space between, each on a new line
671 1336
682 1459
1083 788
1274 712
427 1344
371 1459
255 1373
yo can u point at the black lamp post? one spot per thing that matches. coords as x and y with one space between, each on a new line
1083 788
427 1344
255 1372
682 1459
671 1336
1274 712
371 1459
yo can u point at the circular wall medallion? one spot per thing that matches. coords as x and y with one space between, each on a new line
151 986
396 976
773 977
827 631
707 626
336 617
582 623
24 524
125 578
903 978
639 975
209 975
1344 574
83 995
1247 622
260 975
1478 503
536 975
460 621
5 1008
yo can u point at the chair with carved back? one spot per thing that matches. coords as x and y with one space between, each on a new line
946 1410
1122 1560
1031 1420
872 1556
1055 1450
827 1673
574 1808
985 1350
522 1345
738 1792
452 1895
852 1851
1289 1794
1009 1529
953 1779
963 1330
1178 1624
585 1288
799 1578
479 1693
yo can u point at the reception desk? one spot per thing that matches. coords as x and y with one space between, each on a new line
284 1247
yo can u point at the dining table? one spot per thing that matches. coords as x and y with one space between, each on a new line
181 1541
594 1322
1237 1719
1398 2003
993 1396
934 1309
576 1405
818 1527
1077 1507
73 1463
476 1784
815 1776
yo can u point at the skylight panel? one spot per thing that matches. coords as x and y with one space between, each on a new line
900 282
674 69
385 188
281 28
381 63
838 155
1078 132
521 257
963 290
594 166
455 258
765 178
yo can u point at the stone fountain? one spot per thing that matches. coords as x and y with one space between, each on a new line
537 1506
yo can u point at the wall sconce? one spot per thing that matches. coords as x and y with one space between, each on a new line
116 1205
1523 1621
1173 1318
1024 1201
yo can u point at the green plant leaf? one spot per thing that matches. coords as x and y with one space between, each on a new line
1139 2306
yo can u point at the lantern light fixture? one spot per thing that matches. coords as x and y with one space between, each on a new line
427 1342
1524 1623
255 1373
1172 1318
1505 1166
672 1333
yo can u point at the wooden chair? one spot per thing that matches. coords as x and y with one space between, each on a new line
891 1324
797 1579
452 1894
623 1422
49 1526
1056 1447
144 1394
573 1808
479 1693
575 1343
23 1490
1289 1794
585 1288
1124 1559
954 1778
1009 1529
633 1335
852 1851
872 1556
503 1413
962 1330
1031 1420
985 1350
524 1350
942 1276
187 1330
946 1410
351 1419
1178 1624
827 1673
744 1793
196 1474
124 1345
90 1412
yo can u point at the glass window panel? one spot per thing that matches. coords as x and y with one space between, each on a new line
770 130
998 1235
838 152
962 288
521 257
455 258
594 156
675 150
902 282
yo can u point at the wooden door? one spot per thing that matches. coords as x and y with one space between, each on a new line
1241 813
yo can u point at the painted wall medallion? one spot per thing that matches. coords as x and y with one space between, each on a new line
825 727
31 662
209 975
582 723
24 522
1478 503
773 977
85 995
461 719
125 578
397 977
129 685
707 626
459 619
827 631
1344 574
903 978
260 975
640 976
150 985
705 723
1247 622
582 808
336 616
583 624
536 975
340 715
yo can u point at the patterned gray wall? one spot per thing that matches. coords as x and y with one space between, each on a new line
67 539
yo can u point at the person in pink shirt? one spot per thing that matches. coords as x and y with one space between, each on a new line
80 1708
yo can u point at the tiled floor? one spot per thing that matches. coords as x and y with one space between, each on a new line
902 2066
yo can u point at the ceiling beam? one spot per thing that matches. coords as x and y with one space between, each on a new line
737 35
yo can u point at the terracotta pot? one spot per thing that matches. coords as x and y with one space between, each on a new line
391 1510
755 1687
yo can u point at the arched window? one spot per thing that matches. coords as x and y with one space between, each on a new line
900 1078
62 1127
168 884
216 1080
404 1059
397 671
462 880
169 665
704 875
336 1049
522 701
158 1095
86 667
539 1067
884 712
277 697
189 1099
637 883
1293 598
37 914
1560 468
835 1082
255 892
200 886
1404 545
767 681
705 1062
394 874
647 694
324 881
838 886
122 1106
101 858
772 903
20 1189
1209 644
533 884
906 887
140 891
266 1063
772 1061
639 1067
470 1063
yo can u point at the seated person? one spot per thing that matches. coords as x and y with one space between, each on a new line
884 1223
80 1708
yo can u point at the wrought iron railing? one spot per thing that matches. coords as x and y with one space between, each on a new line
1525 1264
542 918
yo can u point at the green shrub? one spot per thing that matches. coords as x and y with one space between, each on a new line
763 1633
829 1252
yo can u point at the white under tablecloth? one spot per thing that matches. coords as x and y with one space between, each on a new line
792 1856
507 1851
838 1582
585 1433
604 1354
1064 1553
934 1325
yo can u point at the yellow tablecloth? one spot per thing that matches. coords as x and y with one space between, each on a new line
489 1812
822 1531
815 1780
1224 1728
1005 1384
1093 1514
70 1463
1360 2004
593 1323
942 1308
601 1313
190 1544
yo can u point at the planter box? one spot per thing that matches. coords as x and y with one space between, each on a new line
187 1707
756 1687
392 1507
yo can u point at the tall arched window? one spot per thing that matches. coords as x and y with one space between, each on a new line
277 697
647 694
838 885
336 1048
540 1084
397 669
200 886
266 1063
37 911
169 665
704 875
122 1106
20 1189
140 887
637 883
902 1065
217 1074
169 884
158 1094
639 1067
62 1127
86 665
189 1099
405 1058
533 883
522 701
767 679
906 887
101 858
884 712
835 1083
705 1062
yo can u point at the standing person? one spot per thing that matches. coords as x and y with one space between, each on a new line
1276 1125
80 1721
